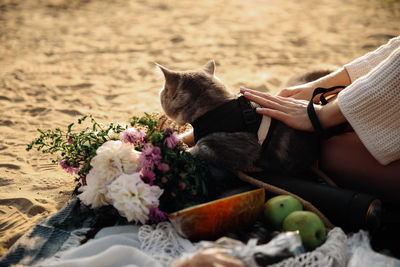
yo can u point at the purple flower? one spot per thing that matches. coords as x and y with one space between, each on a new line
150 156
147 176
83 179
172 140
133 136
156 215
163 167
169 130
70 169
182 186
156 151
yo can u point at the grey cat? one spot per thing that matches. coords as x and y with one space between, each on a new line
225 125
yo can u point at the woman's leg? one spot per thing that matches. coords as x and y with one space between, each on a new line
346 160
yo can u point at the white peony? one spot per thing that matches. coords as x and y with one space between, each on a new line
112 159
133 198
94 193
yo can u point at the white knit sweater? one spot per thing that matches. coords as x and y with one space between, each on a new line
371 104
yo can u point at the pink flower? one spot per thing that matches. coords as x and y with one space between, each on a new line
163 167
156 151
83 179
169 130
147 176
182 186
133 136
164 180
156 215
149 157
172 140
70 141
66 167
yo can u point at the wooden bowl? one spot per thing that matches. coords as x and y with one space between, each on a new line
210 220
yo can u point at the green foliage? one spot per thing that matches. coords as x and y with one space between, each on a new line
184 183
76 148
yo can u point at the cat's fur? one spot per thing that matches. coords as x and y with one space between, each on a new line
187 95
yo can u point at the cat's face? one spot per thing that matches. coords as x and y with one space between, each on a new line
187 95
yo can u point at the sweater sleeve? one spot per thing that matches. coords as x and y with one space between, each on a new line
362 65
372 106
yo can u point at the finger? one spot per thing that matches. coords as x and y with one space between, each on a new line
251 91
245 90
285 93
273 113
279 100
264 102
287 99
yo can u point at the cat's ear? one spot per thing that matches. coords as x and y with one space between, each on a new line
171 77
210 67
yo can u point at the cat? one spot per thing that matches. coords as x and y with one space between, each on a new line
198 97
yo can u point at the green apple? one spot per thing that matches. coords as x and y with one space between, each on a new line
310 226
277 208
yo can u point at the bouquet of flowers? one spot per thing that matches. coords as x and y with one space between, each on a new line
140 170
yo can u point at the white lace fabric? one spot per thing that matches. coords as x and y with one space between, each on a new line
162 242
159 245
333 253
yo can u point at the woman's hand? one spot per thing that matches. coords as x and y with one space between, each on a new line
305 91
293 112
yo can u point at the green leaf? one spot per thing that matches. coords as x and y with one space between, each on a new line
70 127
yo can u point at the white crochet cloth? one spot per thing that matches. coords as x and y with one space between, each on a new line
159 245
371 103
162 242
332 253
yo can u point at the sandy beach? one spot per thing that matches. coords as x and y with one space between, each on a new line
61 59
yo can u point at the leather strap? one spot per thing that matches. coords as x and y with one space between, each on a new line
321 133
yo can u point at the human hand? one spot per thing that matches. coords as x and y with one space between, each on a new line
210 257
292 112
303 91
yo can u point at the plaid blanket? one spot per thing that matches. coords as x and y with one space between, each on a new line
47 238
65 229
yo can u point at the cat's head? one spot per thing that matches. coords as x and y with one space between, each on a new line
187 95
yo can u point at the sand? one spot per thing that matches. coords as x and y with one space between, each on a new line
60 59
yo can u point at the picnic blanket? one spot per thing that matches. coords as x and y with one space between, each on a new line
52 242
57 242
